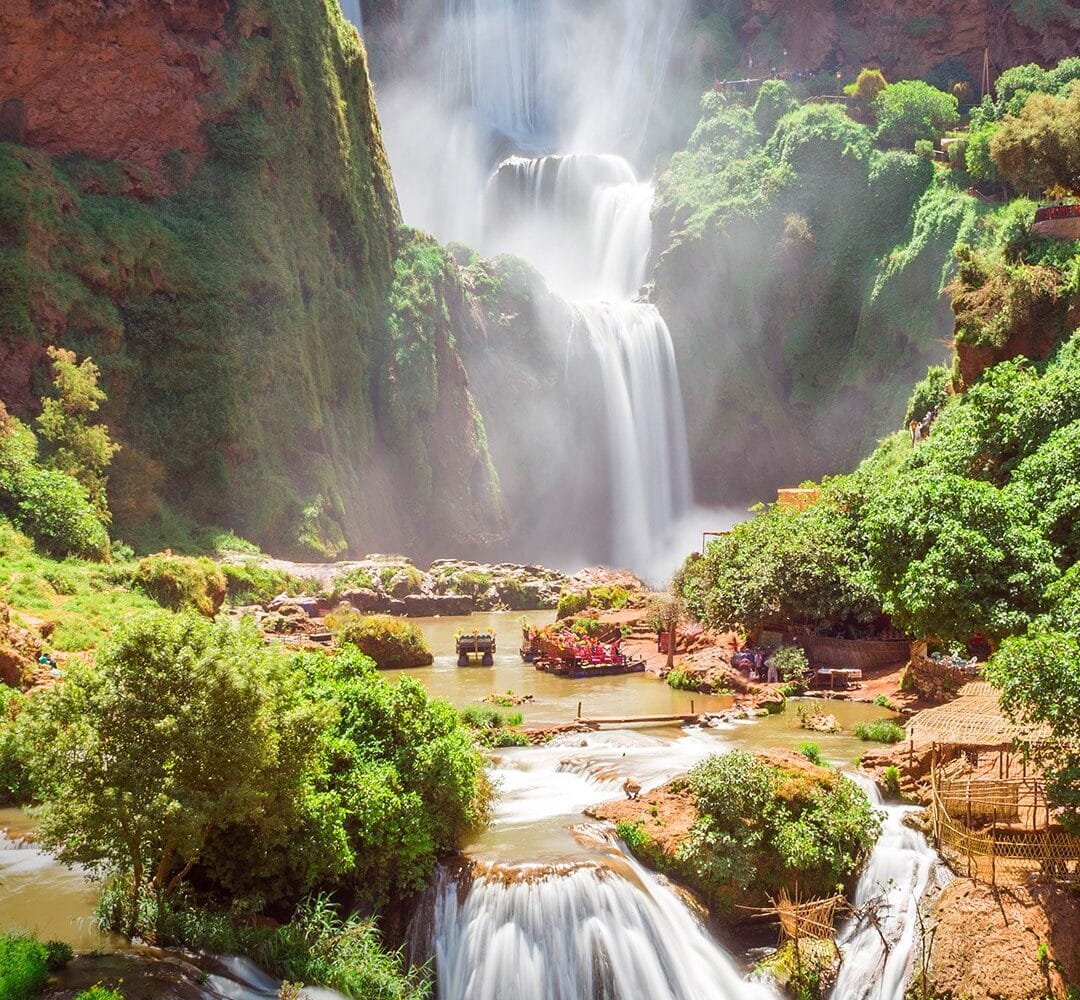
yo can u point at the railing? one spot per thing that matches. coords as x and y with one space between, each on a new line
1053 213
1000 855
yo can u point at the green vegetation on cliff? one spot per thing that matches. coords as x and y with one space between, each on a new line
805 257
267 350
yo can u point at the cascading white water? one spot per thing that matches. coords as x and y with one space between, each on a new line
648 461
897 873
589 933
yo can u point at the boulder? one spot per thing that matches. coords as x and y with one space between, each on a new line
367 601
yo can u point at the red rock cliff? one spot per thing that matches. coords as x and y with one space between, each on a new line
908 38
116 79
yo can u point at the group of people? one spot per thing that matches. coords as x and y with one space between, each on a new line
759 663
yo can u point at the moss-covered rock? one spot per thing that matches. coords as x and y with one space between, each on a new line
392 643
179 582
803 970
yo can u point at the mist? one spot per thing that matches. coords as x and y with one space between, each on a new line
519 127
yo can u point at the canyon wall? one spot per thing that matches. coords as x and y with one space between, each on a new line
196 195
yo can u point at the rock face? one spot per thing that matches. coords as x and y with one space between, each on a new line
197 196
907 38
117 81
987 944
19 650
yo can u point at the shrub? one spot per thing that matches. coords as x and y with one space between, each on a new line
910 111
59 953
49 505
317 946
882 701
891 776
99 992
681 681
924 149
24 967
763 826
392 643
775 99
812 752
879 731
251 583
868 84
793 665
180 582
929 394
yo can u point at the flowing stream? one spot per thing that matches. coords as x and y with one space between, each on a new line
876 966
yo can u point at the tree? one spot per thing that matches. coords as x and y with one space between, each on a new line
793 568
79 448
666 612
173 732
400 781
952 556
775 98
1040 147
1039 677
912 110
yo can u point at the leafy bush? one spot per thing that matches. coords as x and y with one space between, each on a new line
573 602
392 643
929 394
882 701
24 967
251 583
812 752
1039 149
879 731
891 776
910 111
793 665
318 945
179 582
763 827
681 681
99 992
49 505
775 99
16 786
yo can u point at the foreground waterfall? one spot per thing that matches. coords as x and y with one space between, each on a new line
578 934
898 872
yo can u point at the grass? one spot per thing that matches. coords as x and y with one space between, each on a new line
879 731
83 600
491 728
812 752
24 967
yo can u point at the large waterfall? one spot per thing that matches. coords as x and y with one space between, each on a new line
513 132
590 932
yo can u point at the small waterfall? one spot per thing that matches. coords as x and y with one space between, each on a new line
899 871
582 219
586 932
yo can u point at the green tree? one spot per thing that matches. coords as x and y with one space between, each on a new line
912 110
665 613
1039 148
79 448
1039 677
782 566
978 158
399 783
952 556
775 98
173 732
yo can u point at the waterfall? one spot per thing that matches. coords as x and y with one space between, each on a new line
495 61
585 932
629 352
898 871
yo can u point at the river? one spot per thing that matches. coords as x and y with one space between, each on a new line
559 908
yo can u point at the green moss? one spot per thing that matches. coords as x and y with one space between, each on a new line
178 582
391 642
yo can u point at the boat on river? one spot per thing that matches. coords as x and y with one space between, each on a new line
475 645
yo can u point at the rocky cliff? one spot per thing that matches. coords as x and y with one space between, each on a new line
196 194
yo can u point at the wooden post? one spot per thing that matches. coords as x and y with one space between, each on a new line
993 852
579 709
691 706
967 832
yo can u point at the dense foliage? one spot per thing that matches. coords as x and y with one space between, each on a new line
766 826
393 643
179 582
24 967
189 752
